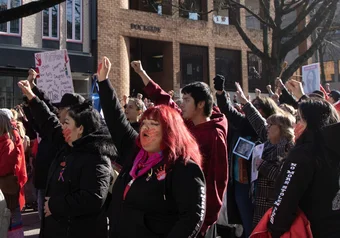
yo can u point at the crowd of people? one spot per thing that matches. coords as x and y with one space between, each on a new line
159 166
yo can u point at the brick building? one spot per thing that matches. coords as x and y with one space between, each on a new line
176 47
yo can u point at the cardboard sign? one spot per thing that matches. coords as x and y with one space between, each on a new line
311 77
55 74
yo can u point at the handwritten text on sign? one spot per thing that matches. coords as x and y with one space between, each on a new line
55 74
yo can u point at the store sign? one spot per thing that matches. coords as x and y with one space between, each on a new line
153 29
55 77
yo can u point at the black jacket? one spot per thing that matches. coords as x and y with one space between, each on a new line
77 197
47 150
173 207
310 180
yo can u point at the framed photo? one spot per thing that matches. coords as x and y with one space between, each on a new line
244 148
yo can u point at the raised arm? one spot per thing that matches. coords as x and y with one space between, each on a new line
32 75
44 118
254 117
122 133
152 89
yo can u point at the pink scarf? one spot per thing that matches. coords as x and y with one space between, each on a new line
141 166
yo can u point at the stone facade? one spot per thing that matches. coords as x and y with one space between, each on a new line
117 24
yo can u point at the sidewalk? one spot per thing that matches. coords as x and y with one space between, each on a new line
31 223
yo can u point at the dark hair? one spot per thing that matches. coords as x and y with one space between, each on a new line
267 105
317 113
85 115
200 92
318 94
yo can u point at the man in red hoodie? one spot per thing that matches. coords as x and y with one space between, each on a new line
209 127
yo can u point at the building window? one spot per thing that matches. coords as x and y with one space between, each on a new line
193 9
222 15
11 27
194 64
51 22
228 64
74 20
329 71
156 6
254 73
251 21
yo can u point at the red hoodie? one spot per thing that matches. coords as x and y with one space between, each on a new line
211 137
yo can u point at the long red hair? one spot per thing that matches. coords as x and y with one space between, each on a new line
177 141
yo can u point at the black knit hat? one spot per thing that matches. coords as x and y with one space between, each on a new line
70 99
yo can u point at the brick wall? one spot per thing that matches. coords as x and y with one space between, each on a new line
114 30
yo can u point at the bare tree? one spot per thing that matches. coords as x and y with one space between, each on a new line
27 9
286 38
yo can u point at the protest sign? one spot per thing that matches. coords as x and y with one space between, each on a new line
257 155
55 77
311 77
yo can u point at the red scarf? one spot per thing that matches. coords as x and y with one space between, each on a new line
141 166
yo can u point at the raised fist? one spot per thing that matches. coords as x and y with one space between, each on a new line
219 82
137 66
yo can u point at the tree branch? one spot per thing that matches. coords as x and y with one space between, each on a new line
301 36
27 9
309 53
299 18
266 12
248 42
270 24
288 10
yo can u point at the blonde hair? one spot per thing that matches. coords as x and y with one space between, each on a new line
286 124
15 114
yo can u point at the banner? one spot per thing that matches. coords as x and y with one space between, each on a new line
311 77
55 77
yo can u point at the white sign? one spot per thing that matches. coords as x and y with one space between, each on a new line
55 77
311 77
221 20
257 155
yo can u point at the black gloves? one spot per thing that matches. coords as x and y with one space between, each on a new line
219 82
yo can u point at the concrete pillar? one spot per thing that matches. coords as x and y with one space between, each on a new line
63 26
176 66
212 67
123 3
244 65
336 71
31 29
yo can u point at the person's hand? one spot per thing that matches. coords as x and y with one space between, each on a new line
240 94
137 66
25 87
104 69
279 83
219 82
171 93
296 88
257 92
32 75
269 87
47 210
328 87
